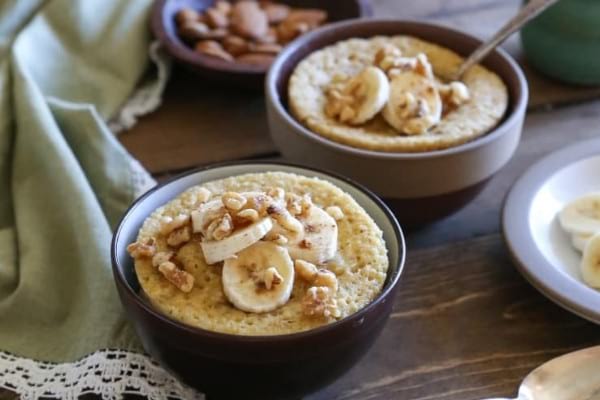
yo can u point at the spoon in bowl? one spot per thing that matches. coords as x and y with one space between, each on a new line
574 376
530 10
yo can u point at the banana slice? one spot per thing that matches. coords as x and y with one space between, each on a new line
414 104
360 99
318 241
582 215
219 250
372 91
247 277
590 263
579 241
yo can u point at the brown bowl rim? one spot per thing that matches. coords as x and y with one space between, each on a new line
185 55
518 109
390 284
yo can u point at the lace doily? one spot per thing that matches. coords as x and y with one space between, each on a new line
148 96
107 373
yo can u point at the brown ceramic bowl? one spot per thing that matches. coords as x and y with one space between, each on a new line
228 366
420 187
163 26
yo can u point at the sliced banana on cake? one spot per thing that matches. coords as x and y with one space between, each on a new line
260 278
590 264
414 104
361 98
582 215
219 250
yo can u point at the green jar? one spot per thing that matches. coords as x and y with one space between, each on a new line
564 41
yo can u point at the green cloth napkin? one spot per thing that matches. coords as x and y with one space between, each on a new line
66 66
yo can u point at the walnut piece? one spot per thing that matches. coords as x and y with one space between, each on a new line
454 94
182 280
335 212
271 278
249 214
169 224
319 302
233 201
220 228
305 270
285 219
162 257
389 59
326 278
142 250
179 236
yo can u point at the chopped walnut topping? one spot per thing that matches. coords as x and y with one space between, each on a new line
319 302
305 204
305 270
423 67
277 193
454 94
249 214
162 257
293 203
203 195
179 236
169 224
279 239
271 277
233 201
142 250
305 244
335 212
183 280
258 202
389 59
326 278
285 219
220 228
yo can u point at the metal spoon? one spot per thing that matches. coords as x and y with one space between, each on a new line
530 10
574 376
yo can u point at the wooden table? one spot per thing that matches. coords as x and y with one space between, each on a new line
466 325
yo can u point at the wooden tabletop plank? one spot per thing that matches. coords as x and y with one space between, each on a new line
465 326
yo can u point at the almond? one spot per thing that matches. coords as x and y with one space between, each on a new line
270 37
223 6
248 20
186 15
235 45
216 19
192 30
311 16
215 34
276 12
290 30
261 59
212 48
266 48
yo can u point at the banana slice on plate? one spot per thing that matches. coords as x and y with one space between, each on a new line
219 250
260 278
414 104
579 241
582 215
590 263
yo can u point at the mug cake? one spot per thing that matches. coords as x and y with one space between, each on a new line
260 254
394 94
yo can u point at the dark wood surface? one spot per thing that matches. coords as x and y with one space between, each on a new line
466 325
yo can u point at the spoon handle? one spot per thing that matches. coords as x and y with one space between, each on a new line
530 10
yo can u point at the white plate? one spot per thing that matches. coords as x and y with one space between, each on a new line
542 251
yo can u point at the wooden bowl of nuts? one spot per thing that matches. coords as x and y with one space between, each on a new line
235 42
